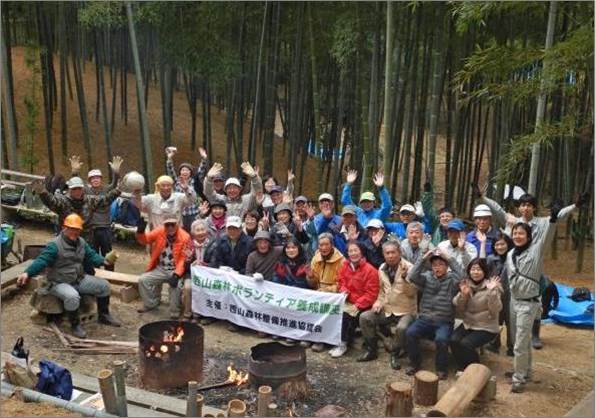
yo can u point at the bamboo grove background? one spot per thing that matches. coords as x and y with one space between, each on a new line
449 93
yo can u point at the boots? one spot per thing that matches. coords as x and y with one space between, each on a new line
75 323
103 315
536 341
371 353
394 359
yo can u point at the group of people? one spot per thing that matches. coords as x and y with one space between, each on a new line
407 274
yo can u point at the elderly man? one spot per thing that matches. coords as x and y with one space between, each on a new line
64 257
348 230
484 231
169 246
407 214
416 244
327 219
233 248
366 210
264 257
396 304
373 243
237 204
457 246
165 202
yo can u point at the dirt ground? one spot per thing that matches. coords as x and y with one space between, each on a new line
15 408
561 380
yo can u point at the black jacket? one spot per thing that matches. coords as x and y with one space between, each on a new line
224 255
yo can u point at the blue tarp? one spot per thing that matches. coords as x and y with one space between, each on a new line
571 312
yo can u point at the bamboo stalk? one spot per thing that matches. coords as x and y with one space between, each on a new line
272 410
199 403
108 393
236 408
191 400
120 374
264 399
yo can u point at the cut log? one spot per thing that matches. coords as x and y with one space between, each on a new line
330 411
236 408
128 294
120 380
264 399
488 392
61 336
199 404
399 399
191 400
108 391
425 388
454 402
272 410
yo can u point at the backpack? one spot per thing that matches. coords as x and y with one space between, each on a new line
126 213
54 380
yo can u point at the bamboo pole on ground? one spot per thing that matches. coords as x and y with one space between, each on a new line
191 400
272 410
236 408
120 375
108 393
199 403
264 399
399 400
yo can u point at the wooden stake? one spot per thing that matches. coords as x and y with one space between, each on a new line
120 375
191 400
272 410
199 402
236 408
59 334
399 401
108 393
264 399
425 388
460 395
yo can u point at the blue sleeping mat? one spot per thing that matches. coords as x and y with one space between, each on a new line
571 312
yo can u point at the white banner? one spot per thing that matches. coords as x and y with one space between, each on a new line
290 312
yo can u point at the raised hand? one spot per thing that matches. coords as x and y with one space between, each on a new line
257 169
287 198
464 288
203 153
377 237
510 219
115 164
290 176
170 152
378 179
310 211
419 209
352 233
462 239
247 169
265 222
203 209
351 176
298 222
75 163
493 283
216 169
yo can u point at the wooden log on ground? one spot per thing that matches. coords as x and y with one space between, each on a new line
425 388
108 392
399 399
191 400
120 379
454 402
236 408
264 399
488 393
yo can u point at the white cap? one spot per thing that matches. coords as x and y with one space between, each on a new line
75 182
407 207
232 180
326 196
234 221
375 223
482 210
94 173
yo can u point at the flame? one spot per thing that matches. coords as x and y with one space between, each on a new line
173 337
163 349
235 376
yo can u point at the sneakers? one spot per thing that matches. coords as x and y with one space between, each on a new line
339 350
318 347
368 355
517 387
394 361
289 341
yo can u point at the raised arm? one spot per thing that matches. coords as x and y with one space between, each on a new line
498 213
415 274
346 194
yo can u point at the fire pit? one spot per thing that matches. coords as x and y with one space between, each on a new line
170 354
281 367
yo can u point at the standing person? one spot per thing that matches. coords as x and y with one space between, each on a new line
416 244
265 256
251 223
457 246
358 279
215 215
237 204
327 218
482 216
233 248
167 265
324 268
479 303
287 225
305 212
194 179
64 257
100 221
366 210
373 244
396 304
436 311
349 229
164 202
271 184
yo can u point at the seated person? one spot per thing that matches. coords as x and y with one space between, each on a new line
396 304
479 303
215 214
286 226
358 279
233 248
64 257
416 244
265 256
348 230
407 214
373 243
169 244
436 312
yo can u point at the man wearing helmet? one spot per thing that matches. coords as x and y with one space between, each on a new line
64 257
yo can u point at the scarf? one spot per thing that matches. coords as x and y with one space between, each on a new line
218 222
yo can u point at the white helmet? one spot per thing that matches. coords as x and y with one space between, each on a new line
482 210
133 181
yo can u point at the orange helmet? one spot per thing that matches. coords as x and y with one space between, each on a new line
73 221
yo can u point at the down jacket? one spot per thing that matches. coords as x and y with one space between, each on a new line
324 271
158 237
480 311
361 284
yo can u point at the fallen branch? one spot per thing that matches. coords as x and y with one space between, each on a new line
71 340
104 350
216 385
57 331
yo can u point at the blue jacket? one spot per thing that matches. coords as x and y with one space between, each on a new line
382 213
400 228
341 242
472 239
224 255
323 224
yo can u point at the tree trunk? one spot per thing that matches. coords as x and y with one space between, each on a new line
389 90
8 103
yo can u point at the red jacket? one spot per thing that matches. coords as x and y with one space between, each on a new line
362 284
157 237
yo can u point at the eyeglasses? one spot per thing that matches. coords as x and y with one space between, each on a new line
170 225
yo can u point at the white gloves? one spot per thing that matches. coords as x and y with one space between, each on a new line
419 209
258 277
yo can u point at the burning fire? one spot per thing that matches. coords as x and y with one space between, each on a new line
236 377
169 337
